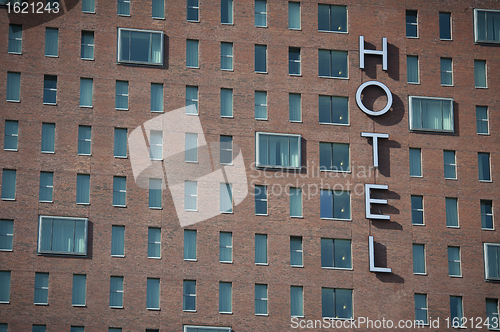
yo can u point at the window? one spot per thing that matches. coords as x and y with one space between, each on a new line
261 200
79 289
480 73
451 212
444 26
87 51
15 39
39 328
189 295
418 259
86 87
296 202
421 308
260 13
119 191
121 96
226 247
4 286
48 137
226 149
189 245
193 10
226 198
296 251
336 253
9 184
335 204
77 329
156 145
62 235
332 18
88 6
492 314
482 122
261 58
226 56
226 103
411 24
192 53
190 196
294 107
3 327
415 162
226 11
492 261
446 72
483 162
153 294
191 147
120 143
486 214
431 114
336 303
158 9
51 42
454 269
11 135
115 329
13 86
261 105
225 297
46 186
450 164
417 210
192 100
50 89
41 288
205 328
84 140
116 292
118 241
6 234
485 23
260 299
155 193
333 110
332 64
294 61
140 46
412 70
334 157
82 189
294 15
278 150
156 97
123 8
154 242
456 311
296 301
261 249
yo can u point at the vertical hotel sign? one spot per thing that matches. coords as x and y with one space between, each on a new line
375 136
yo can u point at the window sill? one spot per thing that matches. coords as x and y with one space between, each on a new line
120 206
156 208
412 37
190 161
416 176
13 150
456 227
230 70
84 154
227 164
295 121
152 111
41 304
49 152
261 119
154 257
453 179
6 250
299 217
227 116
340 219
420 274
113 307
261 214
337 77
50 104
193 114
452 276
333 123
121 157
487 229
192 67
124 15
262 264
445 39
414 83
225 313
190 210
82 203
85 12
261 72
17 53
79 305
337 268
153 309
265 315
333 171
158 18
190 260
226 23
447 85
486 181
51 56
121 109
418 224
13 101
297 266
45 201
118 256
484 134
86 106
225 212
342 32
297 316
8 199
189 310
193 21
87 59
481 87
226 262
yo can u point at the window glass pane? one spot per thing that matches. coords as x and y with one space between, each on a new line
261 105
41 288
486 26
226 198
444 26
327 253
189 244
189 295
190 195
294 61
296 301
123 7
192 53
154 242
191 147
226 56
121 100
13 86
492 314
454 261
6 234
417 210
484 166
86 87
342 254
5 286
79 289
225 303
191 100
87 51
415 162
343 303
48 137
328 302
158 9
412 69
278 150
226 247
193 10
15 38
421 308
260 299
411 23
155 193
226 11
451 212
51 41
480 73
431 114
50 89
486 214
88 6
116 292
84 140
143 47
39 328
82 188
117 240
156 144
77 329
333 110
260 249
332 63
456 310
261 58
295 202
11 135
482 120
418 259
446 71
156 97
332 18
260 200
46 186
492 261
450 166
120 143
9 184
153 294
260 13
119 190
226 149
296 251
226 102
63 236
294 15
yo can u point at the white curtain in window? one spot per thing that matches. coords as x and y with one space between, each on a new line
415 162
294 104
261 299
79 289
493 26
155 193
189 244
154 242
294 15
432 116
191 100
451 212
447 106
226 244
158 8
88 6
421 307
278 150
296 250
120 144
118 240
191 53
116 292
418 258
191 147
48 137
454 261
46 183
82 188
51 41
260 249
86 87
190 195
296 301
41 288
156 144
226 198
156 47
225 297
153 294
156 97
260 104
119 190
13 86
295 202
226 102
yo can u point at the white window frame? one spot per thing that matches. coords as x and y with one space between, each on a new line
190 295
476 34
418 210
487 120
486 261
197 9
257 150
488 214
416 23
226 247
158 145
119 54
459 261
489 165
263 299
117 291
410 110
216 328
49 78
262 187
425 258
446 71
301 250
231 149
418 68
7 235
85 237
454 164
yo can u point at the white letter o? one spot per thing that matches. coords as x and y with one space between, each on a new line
366 110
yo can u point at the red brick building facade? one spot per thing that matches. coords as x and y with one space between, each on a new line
252 69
